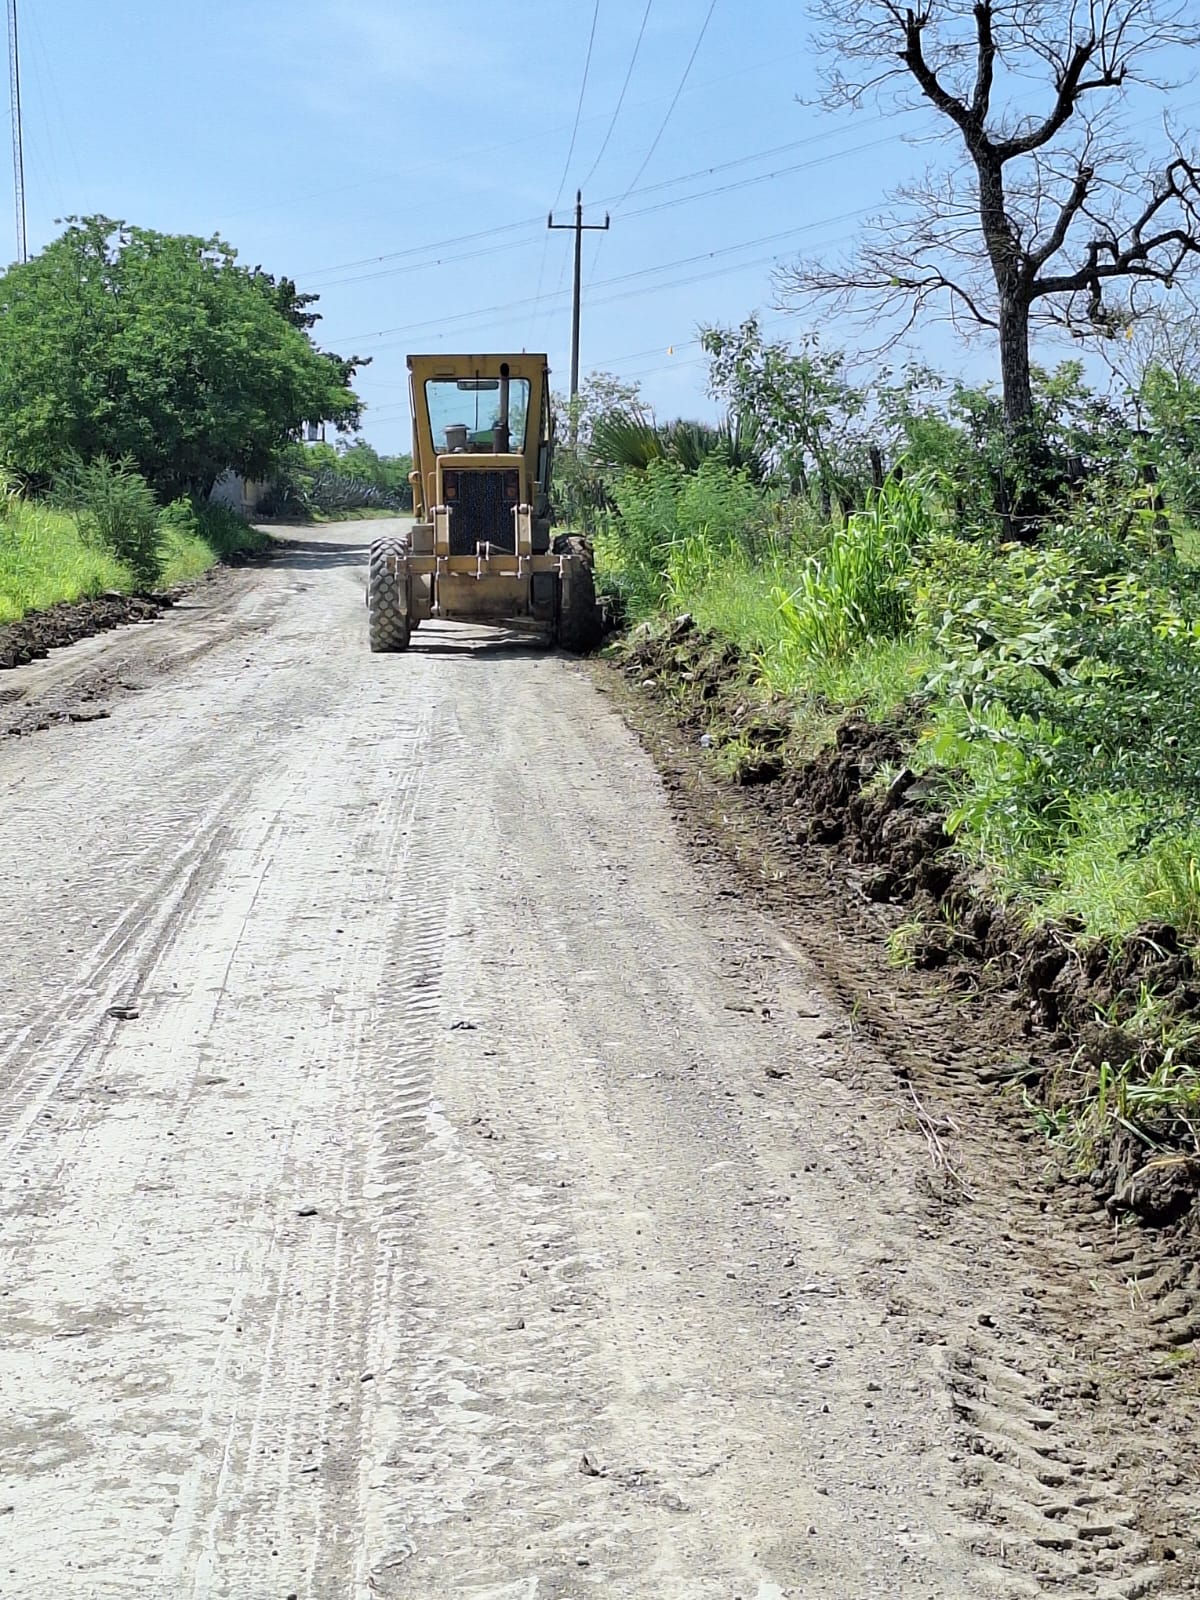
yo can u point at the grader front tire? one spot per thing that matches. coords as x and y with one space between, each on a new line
579 624
388 623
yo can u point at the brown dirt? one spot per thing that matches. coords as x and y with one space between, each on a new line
854 826
963 1045
34 636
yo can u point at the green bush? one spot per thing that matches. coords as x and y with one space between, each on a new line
226 533
673 524
1066 717
116 511
195 535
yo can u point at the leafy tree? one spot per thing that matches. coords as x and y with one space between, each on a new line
798 399
600 394
1170 404
958 432
159 349
389 474
320 477
1047 213
582 487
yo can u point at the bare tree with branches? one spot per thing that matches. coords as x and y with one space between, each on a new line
1046 215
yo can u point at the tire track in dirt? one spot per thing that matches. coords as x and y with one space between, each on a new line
1076 1317
467 1373
230 938
284 1511
70 1032
1050 1509
487 1205
565 1418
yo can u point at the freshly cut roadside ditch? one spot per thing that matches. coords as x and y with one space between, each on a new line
852 837
34 636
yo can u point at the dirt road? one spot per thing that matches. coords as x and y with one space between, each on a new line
419 1179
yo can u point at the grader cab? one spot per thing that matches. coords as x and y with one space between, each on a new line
481 548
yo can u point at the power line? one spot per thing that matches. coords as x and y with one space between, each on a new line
646 189
677 345
649 188
643 211
540 137
556 294
424 266
674 101
42 155
621 97
606 363
587 62
630 277
624 277
541 277
47 70
420 249
762 177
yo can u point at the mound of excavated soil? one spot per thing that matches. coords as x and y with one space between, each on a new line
860 799
42 631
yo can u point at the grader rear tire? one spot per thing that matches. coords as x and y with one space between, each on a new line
580 627
388 626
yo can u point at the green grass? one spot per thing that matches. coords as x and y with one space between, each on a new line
734 598
185 556
1070 806
747 600
879 678
45 558
226 534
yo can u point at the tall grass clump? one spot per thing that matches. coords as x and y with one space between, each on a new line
853 593
117 512
673 528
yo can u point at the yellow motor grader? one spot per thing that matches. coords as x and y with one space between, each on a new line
481 548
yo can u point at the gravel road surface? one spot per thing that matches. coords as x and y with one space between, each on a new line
418 1178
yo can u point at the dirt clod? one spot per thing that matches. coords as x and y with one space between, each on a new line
36 635
860 798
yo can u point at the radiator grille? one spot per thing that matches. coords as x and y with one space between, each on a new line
481 514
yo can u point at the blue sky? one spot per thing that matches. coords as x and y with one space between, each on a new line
351 143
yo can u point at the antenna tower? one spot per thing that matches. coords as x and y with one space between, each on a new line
14 79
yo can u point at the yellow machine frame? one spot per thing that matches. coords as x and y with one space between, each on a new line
492 583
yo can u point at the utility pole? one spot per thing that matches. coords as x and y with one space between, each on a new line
580 228
14 80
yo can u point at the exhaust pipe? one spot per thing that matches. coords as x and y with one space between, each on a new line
500 441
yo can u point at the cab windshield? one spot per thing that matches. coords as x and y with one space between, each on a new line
463 413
